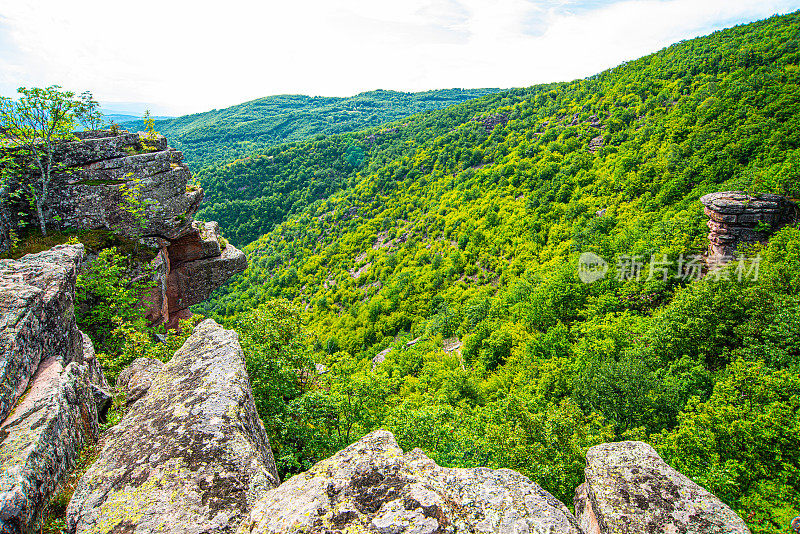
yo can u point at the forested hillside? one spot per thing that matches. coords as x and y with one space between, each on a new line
220 136
250 195
455 231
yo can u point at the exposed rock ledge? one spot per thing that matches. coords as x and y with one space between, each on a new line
371 486
630 489
49 383
736 217
141 189
190 456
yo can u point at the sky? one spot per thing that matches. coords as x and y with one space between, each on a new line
189 56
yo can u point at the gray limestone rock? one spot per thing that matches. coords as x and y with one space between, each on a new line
371 486
630 489
191 456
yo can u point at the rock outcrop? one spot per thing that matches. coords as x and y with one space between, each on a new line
371 486
140 189
190 456
629 488
736 218
198 263
49 389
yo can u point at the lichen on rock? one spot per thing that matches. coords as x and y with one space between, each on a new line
37 317
190 456
372 486
629 488
48 400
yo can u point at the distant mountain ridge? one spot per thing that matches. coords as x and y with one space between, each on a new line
225 134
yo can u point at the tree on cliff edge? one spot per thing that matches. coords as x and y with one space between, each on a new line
34 124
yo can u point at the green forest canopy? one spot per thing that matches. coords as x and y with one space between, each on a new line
467 223
222 135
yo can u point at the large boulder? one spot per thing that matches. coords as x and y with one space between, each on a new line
371 486
190 456
48 400
630 489
37 317
41 439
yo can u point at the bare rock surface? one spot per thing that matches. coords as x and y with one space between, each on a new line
630 489
140 189
41 439
191 456
47 401
372 486
192 282
736 217
135 380
125 185
36 317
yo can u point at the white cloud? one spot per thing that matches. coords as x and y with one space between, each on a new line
192 56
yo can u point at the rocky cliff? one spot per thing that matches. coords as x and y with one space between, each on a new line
50 384
140 189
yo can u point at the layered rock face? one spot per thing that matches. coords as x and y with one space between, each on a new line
50 383
113 175
371 486
190 456
190 268
736 217
630 489
139 188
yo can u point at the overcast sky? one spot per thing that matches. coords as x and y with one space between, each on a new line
187 56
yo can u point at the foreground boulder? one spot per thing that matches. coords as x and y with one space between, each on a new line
48 396
190 456
630 489
41 440
37 317
372 486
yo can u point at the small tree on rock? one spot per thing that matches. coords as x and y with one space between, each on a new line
35 123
